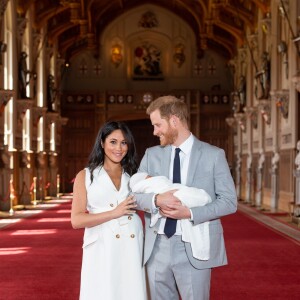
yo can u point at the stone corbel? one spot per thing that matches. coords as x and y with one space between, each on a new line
22 106
5 96
282 101
241 120
251 113
51 117
37 112
265 110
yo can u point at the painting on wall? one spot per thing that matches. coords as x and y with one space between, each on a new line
147 62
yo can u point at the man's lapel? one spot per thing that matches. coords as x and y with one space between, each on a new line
165 161
194 161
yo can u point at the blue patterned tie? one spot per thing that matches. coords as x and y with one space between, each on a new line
170 226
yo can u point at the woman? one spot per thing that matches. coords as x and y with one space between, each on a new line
113 239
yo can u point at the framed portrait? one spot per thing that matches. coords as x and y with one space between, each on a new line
147 62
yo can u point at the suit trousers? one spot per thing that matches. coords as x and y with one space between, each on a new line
170 272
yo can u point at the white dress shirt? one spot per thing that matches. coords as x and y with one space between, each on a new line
184 155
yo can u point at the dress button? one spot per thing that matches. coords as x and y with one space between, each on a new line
132 236
130 217
117 236
111 205
155 232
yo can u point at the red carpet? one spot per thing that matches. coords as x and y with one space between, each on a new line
40 259
262 264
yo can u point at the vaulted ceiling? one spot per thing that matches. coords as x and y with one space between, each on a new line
78 24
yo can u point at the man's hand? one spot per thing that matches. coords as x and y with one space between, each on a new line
171 207
167 198
176 211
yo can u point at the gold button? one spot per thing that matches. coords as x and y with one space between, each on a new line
129 218
117 236
111 205
132 236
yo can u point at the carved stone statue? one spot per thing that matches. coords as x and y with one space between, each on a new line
264 76
242 90
24 75
50 92
297 158
275 160
261 160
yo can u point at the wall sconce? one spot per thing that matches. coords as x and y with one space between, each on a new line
179 56
116 55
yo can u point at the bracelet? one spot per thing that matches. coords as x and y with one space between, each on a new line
155 201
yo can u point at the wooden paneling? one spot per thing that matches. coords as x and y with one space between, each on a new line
142 131
78 138
213 127
286 178
267 170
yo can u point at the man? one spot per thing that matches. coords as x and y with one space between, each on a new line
171 267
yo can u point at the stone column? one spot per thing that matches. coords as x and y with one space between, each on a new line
41 167
24 178
274 180
259 174
52 177
249 178
5 174
238 176
296 211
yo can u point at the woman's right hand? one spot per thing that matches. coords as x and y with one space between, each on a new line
126 207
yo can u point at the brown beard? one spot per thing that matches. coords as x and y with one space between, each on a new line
169 137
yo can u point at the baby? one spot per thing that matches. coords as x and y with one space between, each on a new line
197 235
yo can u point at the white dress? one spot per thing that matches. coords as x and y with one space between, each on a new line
112 252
